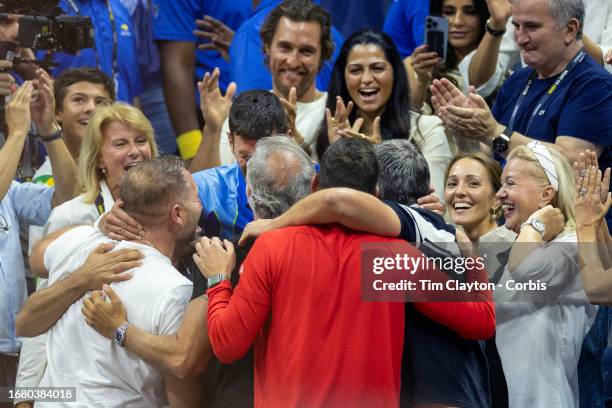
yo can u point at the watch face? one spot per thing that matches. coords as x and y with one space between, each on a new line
539 225
500 144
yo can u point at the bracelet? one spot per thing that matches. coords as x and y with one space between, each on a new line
53 136
188 143
493 32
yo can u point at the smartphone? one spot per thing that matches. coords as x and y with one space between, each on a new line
436 35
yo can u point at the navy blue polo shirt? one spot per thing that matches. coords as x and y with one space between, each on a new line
580 107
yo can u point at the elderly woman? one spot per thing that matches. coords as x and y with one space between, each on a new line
117 137
542 311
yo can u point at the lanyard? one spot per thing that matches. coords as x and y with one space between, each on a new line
100 204
575 61
111 17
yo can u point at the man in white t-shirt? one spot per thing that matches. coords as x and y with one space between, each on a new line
162 196
297 41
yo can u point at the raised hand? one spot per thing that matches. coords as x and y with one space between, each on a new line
423 63
290 106
354 131
43 107
473 122
500 11
214 105
18 112
339 120
588 159
590 209
217 33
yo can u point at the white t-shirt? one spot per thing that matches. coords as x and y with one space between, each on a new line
308 119
77 211
435 147
539 342
103 373
33 359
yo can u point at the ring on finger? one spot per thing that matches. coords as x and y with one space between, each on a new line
581 173
334 122
583 192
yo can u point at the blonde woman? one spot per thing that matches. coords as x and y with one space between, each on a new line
542 311
117 137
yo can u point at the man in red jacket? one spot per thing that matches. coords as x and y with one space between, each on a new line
299 303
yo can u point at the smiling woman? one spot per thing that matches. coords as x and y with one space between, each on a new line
117 137
471 183
369 96
546 326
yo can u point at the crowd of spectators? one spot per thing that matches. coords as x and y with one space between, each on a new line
192 211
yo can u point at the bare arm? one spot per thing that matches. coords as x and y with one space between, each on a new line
484 62
215 109
593 49
62 163
351 208
178 66
590 212
183 354
46 306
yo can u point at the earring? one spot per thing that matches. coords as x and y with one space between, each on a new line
103 170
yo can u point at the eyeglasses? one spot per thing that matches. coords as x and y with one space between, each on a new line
4 226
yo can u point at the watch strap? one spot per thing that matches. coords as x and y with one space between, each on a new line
120 333
215 280
494 33
532 223
53 136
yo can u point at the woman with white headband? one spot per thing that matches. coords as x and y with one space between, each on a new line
542 311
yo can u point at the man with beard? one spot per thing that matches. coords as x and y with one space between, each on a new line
162 196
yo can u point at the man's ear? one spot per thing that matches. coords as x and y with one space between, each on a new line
376 192
177 214
314 183
230 137
248 190
571 30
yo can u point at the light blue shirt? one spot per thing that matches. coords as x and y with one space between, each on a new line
27 203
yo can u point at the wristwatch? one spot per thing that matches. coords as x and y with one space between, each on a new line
58 134
493 32
120 334
536 224
215 280
501 142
